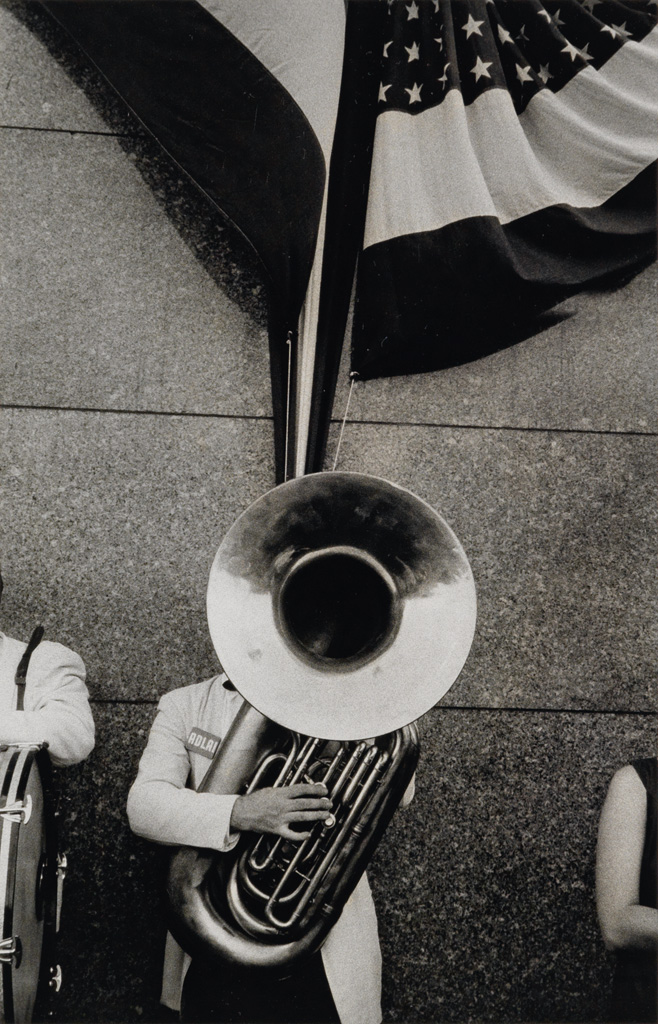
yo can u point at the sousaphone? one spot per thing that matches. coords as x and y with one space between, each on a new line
342 607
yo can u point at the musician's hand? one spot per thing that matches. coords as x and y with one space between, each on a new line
274 810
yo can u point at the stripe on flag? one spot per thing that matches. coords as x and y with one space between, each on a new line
509 148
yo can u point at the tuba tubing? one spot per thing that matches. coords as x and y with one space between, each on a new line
206 913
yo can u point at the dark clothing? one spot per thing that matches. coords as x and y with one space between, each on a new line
250 996
647 769
634 988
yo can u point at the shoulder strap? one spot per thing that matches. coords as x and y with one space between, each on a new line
21 672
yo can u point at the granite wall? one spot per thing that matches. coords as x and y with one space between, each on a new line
137 425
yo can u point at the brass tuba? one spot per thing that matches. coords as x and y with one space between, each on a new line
342 607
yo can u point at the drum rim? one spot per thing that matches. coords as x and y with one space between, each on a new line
35 756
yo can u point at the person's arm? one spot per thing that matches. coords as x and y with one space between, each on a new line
161 809
57 707
624 922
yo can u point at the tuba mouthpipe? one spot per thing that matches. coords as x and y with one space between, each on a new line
369 755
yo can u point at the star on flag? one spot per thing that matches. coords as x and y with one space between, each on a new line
414 93
472 27
412 10
382 92
413 52
571 50
481 69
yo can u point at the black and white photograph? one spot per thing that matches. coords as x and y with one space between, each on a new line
328 494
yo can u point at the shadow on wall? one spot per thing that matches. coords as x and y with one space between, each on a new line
215 242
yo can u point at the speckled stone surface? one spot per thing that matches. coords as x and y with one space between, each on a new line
111 523
35 89
109 527
593 370
111 940
483 886
105 304
560 532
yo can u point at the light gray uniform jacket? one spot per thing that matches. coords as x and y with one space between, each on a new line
56 702
161 808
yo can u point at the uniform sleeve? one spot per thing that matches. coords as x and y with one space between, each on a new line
160 808
56 706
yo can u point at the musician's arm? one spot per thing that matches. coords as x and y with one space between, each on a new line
56 706
160 807
624 922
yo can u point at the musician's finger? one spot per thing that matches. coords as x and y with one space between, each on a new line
306 816
306 803
288 833
316 789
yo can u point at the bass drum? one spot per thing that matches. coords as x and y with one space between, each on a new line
28 881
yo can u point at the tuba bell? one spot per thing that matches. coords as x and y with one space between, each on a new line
342 607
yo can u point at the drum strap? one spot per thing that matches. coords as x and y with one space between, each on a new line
21 672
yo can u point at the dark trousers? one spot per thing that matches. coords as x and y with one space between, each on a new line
229 995
635 988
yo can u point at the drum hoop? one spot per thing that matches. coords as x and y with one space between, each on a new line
17 774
